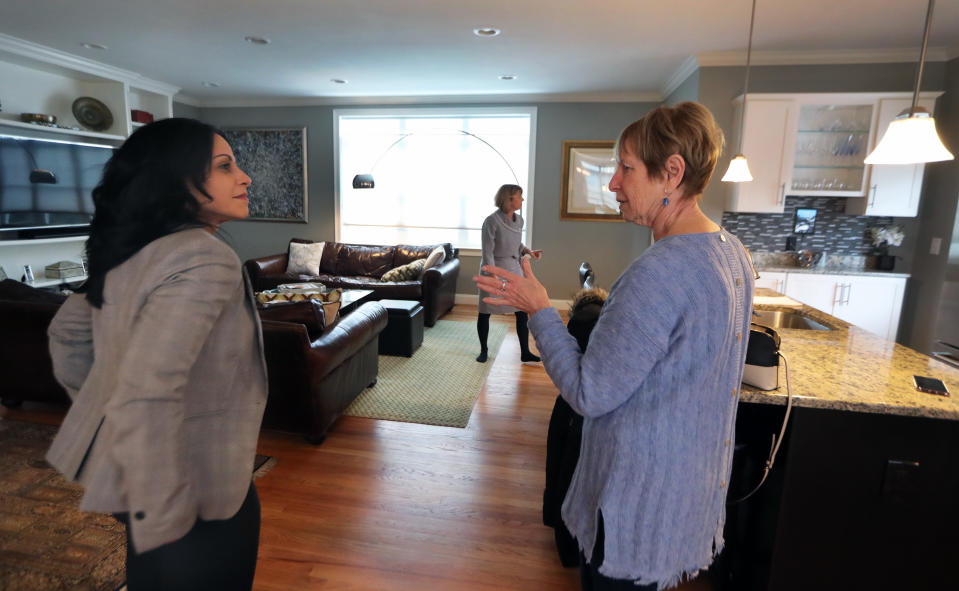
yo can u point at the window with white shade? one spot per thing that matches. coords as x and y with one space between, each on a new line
435 172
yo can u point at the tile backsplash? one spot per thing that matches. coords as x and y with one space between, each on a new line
836 232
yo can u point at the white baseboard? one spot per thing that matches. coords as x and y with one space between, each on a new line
472 299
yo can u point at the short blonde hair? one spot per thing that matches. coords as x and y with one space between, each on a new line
687 129
504 194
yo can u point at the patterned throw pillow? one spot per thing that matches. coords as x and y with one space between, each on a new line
305 258
436 257
407 272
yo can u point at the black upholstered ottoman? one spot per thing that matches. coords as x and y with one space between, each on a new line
404 331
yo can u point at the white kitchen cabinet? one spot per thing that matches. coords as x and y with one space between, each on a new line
869 302
772 280
894 189
769 122
872 303
814 145
819 291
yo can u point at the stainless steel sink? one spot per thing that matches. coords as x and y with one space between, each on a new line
786 319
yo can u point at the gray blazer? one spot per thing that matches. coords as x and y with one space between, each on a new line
168 383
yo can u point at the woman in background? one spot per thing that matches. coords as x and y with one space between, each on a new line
503 247
163 359
658 384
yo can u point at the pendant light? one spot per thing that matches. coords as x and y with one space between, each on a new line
911 137
738 171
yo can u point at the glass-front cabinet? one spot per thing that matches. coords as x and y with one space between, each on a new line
831 142
815 145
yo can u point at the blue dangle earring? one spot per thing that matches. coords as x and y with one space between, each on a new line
665 201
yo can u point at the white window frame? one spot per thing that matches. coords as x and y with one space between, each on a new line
528 191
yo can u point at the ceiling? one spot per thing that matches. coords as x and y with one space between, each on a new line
560 49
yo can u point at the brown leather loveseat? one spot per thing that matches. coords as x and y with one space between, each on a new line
25 315
314 377
360 266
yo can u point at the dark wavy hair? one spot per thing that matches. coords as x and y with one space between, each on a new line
145 194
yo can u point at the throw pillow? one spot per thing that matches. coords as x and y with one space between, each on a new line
305 258
407 272
436 257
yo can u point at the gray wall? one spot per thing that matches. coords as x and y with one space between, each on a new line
687 91
608 246
184 110
937 210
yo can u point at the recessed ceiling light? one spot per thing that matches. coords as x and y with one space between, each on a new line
338 81
209 84
94 46
508 77
256 40
486 31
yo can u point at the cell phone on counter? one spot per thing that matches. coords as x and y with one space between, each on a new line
930 385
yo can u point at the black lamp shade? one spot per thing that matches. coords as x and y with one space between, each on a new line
363 181
39 175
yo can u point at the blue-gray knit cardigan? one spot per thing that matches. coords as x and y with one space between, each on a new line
658 385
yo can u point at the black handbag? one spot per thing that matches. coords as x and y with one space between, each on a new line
762 358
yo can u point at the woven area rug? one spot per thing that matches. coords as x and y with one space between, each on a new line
46 543
438 384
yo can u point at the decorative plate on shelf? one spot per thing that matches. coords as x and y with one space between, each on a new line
92 113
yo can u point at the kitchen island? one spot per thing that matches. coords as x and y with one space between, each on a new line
863 492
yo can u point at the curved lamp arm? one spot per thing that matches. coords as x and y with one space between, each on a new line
365 181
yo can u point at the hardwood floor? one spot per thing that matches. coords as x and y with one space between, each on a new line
383 505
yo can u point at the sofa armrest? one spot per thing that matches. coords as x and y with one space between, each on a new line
342 340
274 264
441 274
439 290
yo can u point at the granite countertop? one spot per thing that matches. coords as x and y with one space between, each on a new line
833 264
849 368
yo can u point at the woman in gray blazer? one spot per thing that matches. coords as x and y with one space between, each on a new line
503 247
163 358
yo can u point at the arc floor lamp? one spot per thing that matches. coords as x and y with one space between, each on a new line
365 181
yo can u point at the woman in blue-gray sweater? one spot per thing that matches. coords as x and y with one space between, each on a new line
658 383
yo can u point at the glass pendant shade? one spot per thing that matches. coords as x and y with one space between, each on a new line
910 139
738 171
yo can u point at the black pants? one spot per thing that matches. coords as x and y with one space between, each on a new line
218 554
589 576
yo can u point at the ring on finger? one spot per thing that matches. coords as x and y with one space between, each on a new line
503 285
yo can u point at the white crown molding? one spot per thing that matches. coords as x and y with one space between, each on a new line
820 57
590 97
684 71
187 99
34 52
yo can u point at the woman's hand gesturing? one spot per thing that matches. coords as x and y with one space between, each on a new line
509 289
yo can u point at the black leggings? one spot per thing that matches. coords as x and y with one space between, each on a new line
217 554
522 332
590 579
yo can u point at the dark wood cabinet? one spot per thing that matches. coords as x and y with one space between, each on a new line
855 501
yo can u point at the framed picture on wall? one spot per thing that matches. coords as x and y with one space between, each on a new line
275 159
588 166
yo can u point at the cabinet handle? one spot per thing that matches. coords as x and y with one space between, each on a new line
873 191
782 194
837 294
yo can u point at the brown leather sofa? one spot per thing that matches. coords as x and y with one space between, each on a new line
25 315
313 380
360 266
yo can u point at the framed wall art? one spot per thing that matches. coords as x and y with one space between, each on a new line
275 159
588 166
